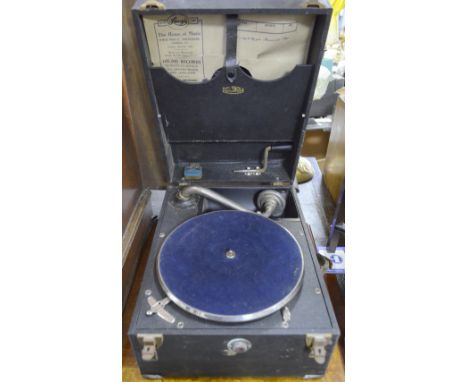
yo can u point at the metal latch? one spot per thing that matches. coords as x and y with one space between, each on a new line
316 343
149 344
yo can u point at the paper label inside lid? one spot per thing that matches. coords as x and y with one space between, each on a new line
192 47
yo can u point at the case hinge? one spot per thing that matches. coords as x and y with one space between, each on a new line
151 4
149 346
316 343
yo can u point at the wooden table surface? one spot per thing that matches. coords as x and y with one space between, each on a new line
131 373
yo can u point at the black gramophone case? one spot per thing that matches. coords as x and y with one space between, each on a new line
231 83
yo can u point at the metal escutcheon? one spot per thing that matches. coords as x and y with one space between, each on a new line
237 346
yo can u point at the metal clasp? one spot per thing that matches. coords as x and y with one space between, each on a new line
316 343
149 344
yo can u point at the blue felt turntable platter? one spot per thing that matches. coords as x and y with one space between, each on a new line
230 266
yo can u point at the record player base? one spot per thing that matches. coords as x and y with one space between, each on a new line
131 372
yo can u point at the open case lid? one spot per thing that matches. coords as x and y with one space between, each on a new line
231 83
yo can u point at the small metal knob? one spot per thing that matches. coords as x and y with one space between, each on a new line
238 346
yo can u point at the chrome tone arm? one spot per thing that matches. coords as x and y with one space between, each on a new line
186 192
270 202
